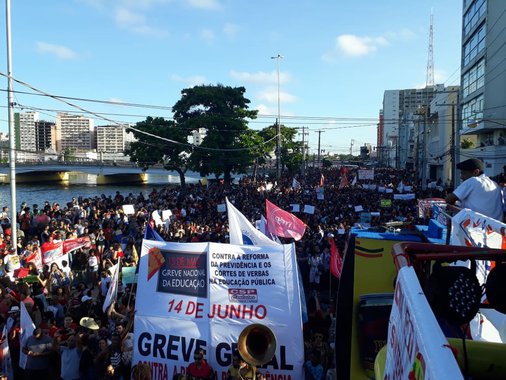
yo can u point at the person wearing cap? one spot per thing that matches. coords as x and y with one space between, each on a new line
477 191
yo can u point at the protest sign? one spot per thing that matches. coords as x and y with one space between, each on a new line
202 295
385 203
295 207
128 209
365 174
166 214
308 209
221 207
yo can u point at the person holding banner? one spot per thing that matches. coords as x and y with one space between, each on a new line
477 191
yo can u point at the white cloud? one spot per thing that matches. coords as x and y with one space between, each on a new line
116 100
207 35
266 110
205 4
136 22
191 81
230 30
58 51
270 95
261 77
353 46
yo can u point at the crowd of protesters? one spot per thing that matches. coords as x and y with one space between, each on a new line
74 338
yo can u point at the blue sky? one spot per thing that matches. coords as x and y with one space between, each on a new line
339 57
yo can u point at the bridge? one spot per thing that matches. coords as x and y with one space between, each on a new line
91 173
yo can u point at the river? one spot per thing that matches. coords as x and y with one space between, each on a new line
38 194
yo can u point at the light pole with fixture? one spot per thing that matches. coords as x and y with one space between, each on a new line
278 125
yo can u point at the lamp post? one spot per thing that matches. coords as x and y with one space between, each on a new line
278 125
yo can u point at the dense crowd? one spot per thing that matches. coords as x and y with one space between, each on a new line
74 338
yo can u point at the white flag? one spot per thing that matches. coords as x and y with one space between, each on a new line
112 292
295 184
354 182
241 231
400 187
5 356
26 330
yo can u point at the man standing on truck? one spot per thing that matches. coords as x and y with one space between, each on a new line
477 191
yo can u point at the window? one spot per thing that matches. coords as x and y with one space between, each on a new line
474 79
472 110
473 15
475 45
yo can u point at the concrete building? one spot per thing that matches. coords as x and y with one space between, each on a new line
45 133
24 126
483 80
74 132
111 138
441 130
396 143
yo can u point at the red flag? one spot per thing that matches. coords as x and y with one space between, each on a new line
336 262
322 181
344 181
282 223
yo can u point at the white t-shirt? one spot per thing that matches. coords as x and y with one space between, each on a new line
482 195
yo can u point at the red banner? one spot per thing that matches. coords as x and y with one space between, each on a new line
282 223
52 252
70 245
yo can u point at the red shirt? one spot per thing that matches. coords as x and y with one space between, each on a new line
202 372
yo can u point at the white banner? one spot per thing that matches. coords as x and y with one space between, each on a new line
416 346
404 197
202 295
365 174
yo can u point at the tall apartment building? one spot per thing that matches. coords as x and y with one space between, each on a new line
24 126
111 138
396 145
45 134
483 82
74 132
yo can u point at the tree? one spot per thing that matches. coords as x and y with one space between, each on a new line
223 112
152 147
291 151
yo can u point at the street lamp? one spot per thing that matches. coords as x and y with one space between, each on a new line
278 124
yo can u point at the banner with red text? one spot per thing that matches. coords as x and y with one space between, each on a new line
202 295
70 245
416 346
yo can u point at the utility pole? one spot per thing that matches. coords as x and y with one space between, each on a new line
278 125
319 137
303 169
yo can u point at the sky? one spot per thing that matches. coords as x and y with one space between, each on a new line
130 59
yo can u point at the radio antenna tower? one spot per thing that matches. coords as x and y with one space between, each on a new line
430 59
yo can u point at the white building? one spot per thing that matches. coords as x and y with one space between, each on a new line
197 136
395 135
74 132
441 131
111 138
